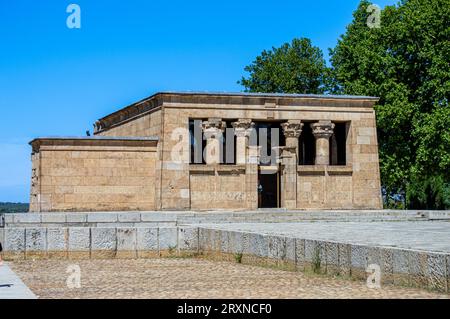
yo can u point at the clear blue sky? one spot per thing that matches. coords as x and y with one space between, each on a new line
58 81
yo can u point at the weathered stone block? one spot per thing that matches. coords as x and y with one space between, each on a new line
437 272
204 239
448 273
276 249
79 242
76 217
147 242
359 261
290 258
168 241
57 242
14 244
239 242
188 239
36 242
235 242
102 218
374 256
158 217
225 245
332 258
290 250
314 256
259 245
53 218
300 254
257 251
2 236
418 268
129 217
344 259
381 257
401 270
26 218
9 219
104 242
217 241
387 265
126 242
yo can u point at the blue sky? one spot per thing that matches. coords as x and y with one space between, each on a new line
58 81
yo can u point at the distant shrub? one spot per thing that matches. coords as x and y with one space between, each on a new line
14 208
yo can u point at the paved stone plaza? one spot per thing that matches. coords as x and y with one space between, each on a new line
421 235
192 278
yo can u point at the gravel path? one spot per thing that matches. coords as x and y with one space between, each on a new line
191 278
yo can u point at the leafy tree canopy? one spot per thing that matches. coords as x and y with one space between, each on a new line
406 62
298 67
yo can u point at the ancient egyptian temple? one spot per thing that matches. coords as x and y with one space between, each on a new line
214 151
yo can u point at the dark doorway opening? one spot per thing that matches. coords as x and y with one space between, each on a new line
268 190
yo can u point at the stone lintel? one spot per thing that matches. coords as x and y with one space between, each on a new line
93 141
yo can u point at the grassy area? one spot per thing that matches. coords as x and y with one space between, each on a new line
13 207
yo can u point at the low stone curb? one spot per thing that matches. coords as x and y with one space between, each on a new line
414 268
165 219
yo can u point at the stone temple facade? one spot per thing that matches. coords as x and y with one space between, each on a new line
210 151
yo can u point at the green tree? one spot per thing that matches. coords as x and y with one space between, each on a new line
298 67
406 62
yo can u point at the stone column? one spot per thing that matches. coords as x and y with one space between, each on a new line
322 132
292 130
213 129
251 177
289 160
242 130
249 156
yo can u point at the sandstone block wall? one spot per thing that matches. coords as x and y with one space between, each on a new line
145 125
93 175
218 187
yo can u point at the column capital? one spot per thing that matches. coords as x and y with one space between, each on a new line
213 127
322 129
243 127
292 128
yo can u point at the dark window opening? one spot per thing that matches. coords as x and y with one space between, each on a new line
338 144
228 144
307 146
197 142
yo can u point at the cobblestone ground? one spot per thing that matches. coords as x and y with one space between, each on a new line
191 278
